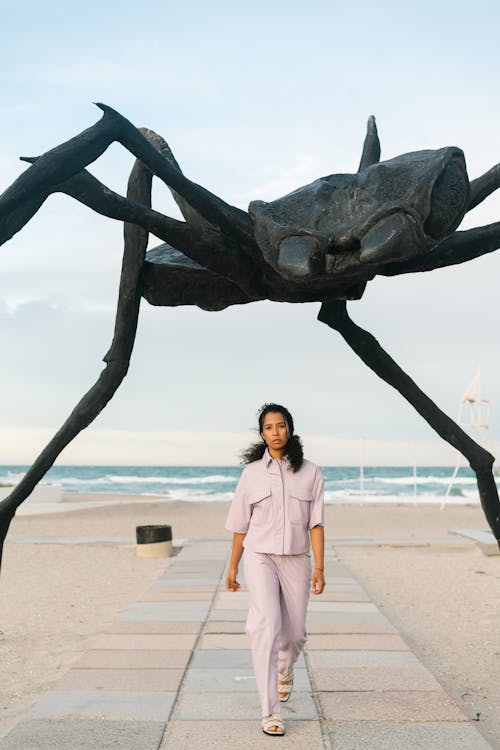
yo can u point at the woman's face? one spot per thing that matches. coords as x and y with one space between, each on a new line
275 430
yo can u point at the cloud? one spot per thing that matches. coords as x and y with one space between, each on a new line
304 169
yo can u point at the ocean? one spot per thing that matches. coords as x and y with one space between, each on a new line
380 484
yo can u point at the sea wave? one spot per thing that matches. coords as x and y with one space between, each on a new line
422 480
210 479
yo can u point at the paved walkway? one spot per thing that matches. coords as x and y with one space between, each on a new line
174 672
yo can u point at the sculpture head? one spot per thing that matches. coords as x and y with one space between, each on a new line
389 211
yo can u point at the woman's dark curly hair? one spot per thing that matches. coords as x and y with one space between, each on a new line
293 449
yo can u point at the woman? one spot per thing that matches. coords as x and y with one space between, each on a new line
279 498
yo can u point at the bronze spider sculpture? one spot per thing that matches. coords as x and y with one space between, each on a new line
322 242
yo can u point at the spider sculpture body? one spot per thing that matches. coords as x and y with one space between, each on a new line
322 242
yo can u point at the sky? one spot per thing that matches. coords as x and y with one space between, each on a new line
255 100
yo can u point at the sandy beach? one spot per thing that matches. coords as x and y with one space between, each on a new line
444 597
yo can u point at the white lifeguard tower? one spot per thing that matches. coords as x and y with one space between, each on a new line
473 416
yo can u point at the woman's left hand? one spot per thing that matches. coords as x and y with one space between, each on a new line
318 581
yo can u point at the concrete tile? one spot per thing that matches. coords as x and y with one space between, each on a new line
223 640
245 735
327 659
198 565
343 596
222 626
181 589
337 570
165 595
222 659
137 642
155 611
374 678
356 642
213 706
352 607
338 584
233 680
319 616
338 580
230 604
105 704
390 705
122 679
229 659
205 578
131 659
186 583
392 736
82 734
228 614
147 627
232 596
348 626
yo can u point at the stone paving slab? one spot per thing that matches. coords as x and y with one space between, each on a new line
150 626
104 704
335 659
356 642
223 641
180 584
231 604
213 706
237 680
229 659
343 596
366 617
232 596
83 734
199 564
224 626
243 735
390 705
412 736
139 641
484 539
374 678
228 614
122 679
316 605
133 659
184 610
179 588
348 626
165 595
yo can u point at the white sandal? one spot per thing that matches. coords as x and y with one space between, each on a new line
274 720
286 687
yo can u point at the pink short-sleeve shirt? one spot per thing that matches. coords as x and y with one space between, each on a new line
276 507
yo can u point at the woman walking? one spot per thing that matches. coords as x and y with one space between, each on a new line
276 513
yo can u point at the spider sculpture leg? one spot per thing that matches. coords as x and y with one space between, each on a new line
117 359
25 196
335 315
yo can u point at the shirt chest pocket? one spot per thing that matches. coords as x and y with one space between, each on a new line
261 506
300 505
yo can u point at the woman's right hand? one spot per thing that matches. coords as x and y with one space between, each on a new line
231 582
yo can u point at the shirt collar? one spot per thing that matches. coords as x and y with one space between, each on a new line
267 458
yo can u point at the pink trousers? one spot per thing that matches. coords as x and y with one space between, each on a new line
278 592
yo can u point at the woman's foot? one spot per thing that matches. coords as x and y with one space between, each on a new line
273 725
285 685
